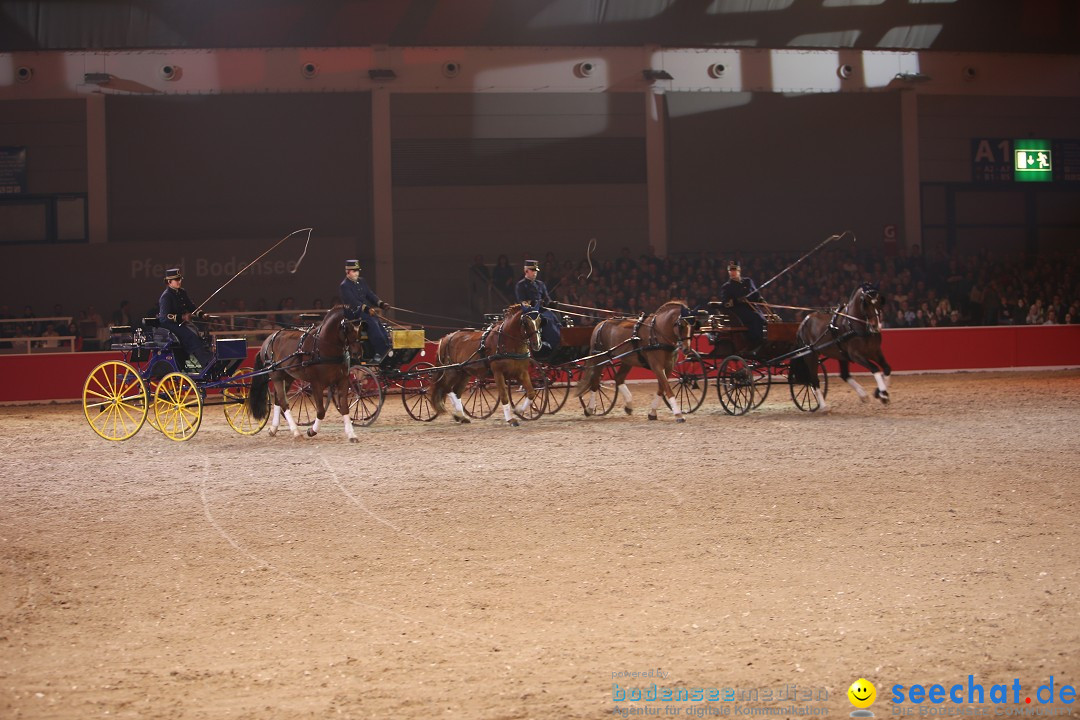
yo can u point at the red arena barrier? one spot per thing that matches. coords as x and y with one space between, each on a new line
45 377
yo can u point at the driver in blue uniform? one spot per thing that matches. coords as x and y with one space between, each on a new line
736 295
175 311
533 294
362 304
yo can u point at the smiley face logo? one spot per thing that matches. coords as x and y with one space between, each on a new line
862 693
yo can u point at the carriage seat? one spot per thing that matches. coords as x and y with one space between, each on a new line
157 335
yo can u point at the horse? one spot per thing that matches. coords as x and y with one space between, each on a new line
502 351
318 355
648 342
850 334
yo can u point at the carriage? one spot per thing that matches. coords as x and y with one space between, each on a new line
370 382
157 383
743 375
555 373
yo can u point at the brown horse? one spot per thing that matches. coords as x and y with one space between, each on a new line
648 341
850 334
318 355
502 351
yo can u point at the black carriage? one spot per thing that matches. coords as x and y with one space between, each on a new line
370 382
554 374
744 374
156 382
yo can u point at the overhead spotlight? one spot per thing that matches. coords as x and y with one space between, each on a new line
24 74
309 70
716 70
652 75
381 74
169 72
451 69
97 78
970 73
912 77
845 71
584 69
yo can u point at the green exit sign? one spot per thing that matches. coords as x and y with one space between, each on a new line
1032 161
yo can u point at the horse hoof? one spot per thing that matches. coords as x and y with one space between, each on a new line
311 433
680 419
883 396
464 420
629 410
457 419
588 413
651 417
865 398
273 433
354 439
514 423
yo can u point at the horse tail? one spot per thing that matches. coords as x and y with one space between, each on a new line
258 400
804 370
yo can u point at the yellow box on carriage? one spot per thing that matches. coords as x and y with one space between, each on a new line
400 339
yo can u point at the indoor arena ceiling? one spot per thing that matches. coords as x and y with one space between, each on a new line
1006 26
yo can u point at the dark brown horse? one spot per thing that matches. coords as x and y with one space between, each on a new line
503 351
318 355
850 334
649 342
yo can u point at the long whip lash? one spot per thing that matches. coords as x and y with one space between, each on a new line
819 246
272 248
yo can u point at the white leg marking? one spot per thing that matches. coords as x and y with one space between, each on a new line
349 432
858 389
507 414
275 420
627 398
292 423
455 403
821 400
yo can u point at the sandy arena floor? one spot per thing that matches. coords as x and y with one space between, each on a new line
482 571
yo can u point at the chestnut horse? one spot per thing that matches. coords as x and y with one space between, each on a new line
318 355
503 351
649 342
850 334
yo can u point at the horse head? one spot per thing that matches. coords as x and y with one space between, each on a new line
337 334
530 327
866 304
676 318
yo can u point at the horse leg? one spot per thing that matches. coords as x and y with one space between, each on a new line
341 401
622 389
663 392
845 375
530 391
456 408
319 394
504 395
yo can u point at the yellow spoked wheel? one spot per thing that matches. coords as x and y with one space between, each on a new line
114 400
237 413
178 407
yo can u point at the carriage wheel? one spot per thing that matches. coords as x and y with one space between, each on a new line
735 385
480 398
606 392
516 392
803 395
178 406
114 400
762 382
416 392
556 389
235 398
301 403
366 395
690 381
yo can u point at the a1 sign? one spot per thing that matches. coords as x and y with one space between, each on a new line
991 160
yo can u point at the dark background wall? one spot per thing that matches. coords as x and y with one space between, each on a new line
756 171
